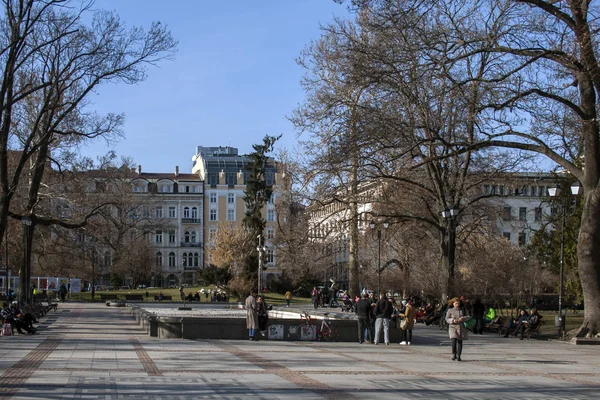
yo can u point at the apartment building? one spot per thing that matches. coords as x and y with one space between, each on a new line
178 201
225 174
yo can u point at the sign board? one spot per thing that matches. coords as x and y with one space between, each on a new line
75 285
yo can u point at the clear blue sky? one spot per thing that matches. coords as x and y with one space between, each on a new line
234 77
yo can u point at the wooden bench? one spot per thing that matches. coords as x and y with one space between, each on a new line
106 297
44 302
535 332
134 297
170 298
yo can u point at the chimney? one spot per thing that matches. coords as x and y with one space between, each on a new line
139 169
176 170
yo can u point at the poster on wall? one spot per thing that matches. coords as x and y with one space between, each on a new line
53 284
75 285
43 284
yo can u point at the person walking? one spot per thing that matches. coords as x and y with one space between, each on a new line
456 317
363 317
478 314
315 297
407 324
288 297
251 314
383 313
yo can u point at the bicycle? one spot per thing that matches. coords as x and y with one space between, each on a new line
325 332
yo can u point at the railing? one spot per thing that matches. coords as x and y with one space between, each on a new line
190 220
190 244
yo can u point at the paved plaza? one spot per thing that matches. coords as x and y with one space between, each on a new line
90 351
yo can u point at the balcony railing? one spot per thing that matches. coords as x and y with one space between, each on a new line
190 244
190 220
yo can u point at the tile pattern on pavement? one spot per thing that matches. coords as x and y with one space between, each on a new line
89 351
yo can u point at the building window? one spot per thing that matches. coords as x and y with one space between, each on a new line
506 235
159 260
541 191
190 236
231 178
522 239
194 213
501 190
158 212
230 215
213 178
166 188
506 213
186 212
184 259
538 214
230 198
172 212
172 237
270 233
270 215
522 213
213 215
107 259
213 198
196 260
271 199
269 256
158 237
171 259
269 178
212 233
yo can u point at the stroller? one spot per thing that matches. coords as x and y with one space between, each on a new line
347 306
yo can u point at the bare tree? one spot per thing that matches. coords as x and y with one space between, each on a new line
53 60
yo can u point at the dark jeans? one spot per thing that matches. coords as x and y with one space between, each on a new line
364 323
406 335
262 322
457 347
478 328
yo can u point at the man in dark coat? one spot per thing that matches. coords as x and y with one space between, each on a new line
383 312
363 313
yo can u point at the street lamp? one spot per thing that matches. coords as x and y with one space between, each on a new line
261 251
449 215
24 284
372 225
553 192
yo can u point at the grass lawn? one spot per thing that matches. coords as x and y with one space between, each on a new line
272 298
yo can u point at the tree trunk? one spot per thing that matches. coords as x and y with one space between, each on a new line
588 253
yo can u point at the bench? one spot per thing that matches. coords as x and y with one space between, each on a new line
535 332
496 325
44 302
105 297
163 298
134 297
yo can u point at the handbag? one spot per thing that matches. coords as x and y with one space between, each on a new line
404 324
6 329
470 323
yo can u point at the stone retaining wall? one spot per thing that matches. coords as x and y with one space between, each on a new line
282 326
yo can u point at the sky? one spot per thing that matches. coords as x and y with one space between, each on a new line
234 78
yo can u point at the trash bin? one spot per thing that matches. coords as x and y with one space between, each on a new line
559 321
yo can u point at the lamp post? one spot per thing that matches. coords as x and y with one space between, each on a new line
553 192
261 251
7 279
372 225
449 215
24 284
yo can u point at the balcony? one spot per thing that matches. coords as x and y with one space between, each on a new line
190 220
190 244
